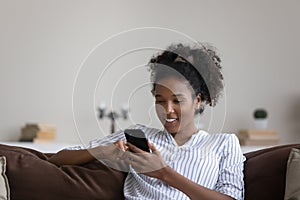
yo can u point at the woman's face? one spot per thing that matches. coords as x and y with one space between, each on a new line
175 106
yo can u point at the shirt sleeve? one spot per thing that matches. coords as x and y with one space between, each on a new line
231 177
107 140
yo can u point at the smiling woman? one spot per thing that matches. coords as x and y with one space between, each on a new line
184 162
185 79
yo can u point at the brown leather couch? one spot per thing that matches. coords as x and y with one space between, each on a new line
32 177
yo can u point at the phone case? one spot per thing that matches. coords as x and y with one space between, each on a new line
137 137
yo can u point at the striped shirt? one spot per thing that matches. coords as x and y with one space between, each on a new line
214 161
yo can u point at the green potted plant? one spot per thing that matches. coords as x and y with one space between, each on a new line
260 118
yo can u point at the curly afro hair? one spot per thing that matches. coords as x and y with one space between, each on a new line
199 65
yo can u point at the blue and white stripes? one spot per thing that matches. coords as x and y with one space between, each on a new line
214 161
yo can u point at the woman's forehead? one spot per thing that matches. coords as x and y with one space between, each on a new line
172 86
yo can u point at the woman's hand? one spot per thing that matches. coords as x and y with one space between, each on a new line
112 155
121 144
150 164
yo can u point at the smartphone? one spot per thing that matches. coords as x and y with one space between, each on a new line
137 138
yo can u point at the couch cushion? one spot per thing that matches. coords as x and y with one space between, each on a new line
292 187
32 177
265 173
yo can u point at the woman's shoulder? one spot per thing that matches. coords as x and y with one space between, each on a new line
219 142
220 136
217 139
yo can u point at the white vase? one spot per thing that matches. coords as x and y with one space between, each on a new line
261 123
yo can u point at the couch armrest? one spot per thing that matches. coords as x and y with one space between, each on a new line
265 172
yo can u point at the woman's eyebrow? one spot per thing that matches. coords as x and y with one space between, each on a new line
178 95
174 95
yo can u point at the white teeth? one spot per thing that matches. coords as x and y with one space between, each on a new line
170 120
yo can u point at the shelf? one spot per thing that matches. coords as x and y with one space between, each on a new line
45 147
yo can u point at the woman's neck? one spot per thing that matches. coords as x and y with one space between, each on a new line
181 137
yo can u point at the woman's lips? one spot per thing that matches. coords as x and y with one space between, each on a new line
170 120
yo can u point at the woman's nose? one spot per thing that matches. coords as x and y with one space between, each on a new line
169 108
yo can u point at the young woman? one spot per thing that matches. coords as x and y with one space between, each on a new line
185 163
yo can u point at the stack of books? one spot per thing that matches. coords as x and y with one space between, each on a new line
38 133
258 137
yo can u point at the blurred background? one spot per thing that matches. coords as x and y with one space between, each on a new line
62 60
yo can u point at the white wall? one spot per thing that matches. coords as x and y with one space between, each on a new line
45 43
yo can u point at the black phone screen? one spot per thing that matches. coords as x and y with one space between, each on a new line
137 137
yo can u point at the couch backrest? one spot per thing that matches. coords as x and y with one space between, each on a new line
32 177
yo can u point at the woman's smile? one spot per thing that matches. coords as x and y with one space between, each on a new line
170 120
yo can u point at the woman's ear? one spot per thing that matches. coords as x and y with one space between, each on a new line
198 101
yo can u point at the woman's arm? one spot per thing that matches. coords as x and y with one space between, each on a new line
111 153
71 157
78 157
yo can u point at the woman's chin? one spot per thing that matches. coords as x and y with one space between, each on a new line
171 127
172 130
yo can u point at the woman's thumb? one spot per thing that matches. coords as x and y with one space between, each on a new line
151 146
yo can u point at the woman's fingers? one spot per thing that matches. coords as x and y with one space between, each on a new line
134 148
151 146
121 144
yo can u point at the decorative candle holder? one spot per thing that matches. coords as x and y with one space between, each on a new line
112 115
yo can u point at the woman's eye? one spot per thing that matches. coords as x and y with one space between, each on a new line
159 101
178 101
